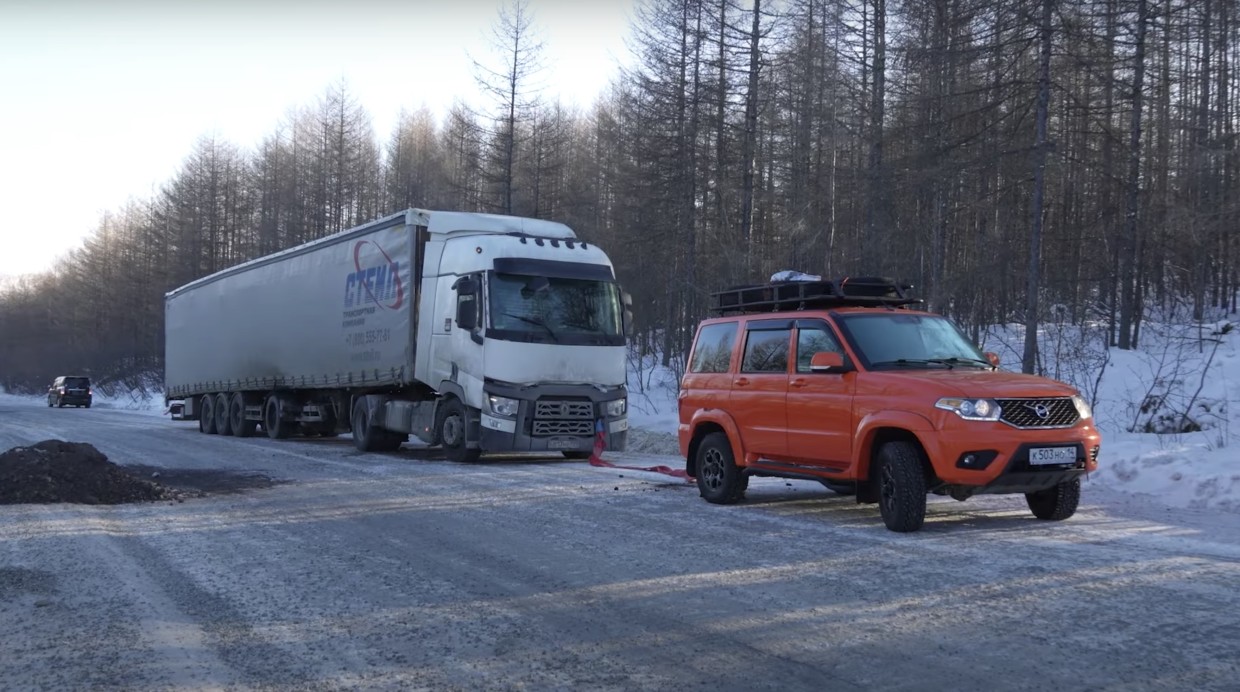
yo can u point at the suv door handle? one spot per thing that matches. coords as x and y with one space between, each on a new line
799 382
741 381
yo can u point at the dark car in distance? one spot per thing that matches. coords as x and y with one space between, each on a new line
70 390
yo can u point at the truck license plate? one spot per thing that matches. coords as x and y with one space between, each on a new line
561 444
1052 455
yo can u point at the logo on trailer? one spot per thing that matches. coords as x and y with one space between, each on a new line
375 279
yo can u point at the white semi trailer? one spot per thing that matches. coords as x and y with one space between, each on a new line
477 332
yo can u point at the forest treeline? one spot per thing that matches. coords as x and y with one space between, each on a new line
1013 159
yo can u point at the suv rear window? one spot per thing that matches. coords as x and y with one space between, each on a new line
77 382
713 352
767 351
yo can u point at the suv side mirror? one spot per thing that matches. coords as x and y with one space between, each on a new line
993 358
466 303
828 361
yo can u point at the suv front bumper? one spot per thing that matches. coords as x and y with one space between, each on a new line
999 460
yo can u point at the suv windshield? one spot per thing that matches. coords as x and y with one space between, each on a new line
895 340
554 310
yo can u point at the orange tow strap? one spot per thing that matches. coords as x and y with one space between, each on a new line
600 443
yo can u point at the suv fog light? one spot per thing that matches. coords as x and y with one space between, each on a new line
976 461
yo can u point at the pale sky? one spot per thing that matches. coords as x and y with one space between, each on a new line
104 99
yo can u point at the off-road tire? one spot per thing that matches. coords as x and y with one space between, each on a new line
206 414
236 414
901 486
1057 503
451 424
720 481
223 418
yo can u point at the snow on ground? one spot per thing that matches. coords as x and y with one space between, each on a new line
1180 386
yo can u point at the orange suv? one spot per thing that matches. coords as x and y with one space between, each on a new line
843 383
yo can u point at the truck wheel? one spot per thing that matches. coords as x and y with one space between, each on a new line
901 486
451 426
223 417
719 479
206 415
1057 503
273 419
236 415
370 439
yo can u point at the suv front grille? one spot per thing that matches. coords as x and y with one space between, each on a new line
1039 413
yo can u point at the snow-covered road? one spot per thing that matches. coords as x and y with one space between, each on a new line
403 571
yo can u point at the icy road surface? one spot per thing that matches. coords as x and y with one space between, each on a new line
404 571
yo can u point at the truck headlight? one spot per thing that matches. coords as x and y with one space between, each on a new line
1082 407
616 408
970 409
503 406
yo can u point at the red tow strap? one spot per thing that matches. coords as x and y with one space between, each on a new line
600 443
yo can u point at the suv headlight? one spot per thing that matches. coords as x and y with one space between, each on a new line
970 409
503 406
616 408
1082 407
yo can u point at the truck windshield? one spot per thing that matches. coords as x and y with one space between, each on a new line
895 340
554 310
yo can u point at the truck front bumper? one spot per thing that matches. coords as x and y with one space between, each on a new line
554 418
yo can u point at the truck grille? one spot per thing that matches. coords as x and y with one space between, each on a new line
563 417
574 410
551 428
1039 413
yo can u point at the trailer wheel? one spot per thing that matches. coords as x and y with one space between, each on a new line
370 439
223 419
273 419
451 425
236 414
206 415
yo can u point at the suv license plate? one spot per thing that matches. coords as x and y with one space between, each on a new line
1052 455
560 443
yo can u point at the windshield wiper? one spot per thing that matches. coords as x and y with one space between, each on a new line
536 323
965 361
916 361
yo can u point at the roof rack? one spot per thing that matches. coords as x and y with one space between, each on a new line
807 295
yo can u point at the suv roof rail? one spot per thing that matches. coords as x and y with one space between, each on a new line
863 291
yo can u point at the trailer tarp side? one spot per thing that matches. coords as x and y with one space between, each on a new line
337 312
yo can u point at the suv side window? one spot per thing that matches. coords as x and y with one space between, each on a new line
814 337
766 350
713 352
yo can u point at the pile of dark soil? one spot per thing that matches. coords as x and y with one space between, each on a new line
55 471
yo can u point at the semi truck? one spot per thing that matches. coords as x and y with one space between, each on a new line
475 332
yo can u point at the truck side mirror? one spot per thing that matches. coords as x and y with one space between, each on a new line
993 358
626 300
466 303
